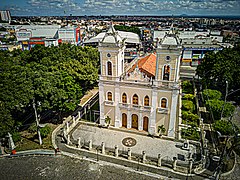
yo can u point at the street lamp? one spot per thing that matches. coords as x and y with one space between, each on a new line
225 98
37 122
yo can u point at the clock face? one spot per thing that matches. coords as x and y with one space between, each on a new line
168 58
108 55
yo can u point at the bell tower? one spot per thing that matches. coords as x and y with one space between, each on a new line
169 51
111 50
168 57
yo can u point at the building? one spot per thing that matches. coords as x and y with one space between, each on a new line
69 35
195 44
144 95
29 44
132 43
25 32
5 16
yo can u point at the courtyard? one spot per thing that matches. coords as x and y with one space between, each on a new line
138 143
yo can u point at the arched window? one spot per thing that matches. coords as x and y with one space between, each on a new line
166 72
109 96
124 98
135 99
109 68
146 101
163 103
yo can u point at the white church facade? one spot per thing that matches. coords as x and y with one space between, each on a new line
143 95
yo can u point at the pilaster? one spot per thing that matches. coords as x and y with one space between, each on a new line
129 119
173 114
140 125
117 119
101 103
152 119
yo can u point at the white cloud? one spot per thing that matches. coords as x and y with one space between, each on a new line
139 7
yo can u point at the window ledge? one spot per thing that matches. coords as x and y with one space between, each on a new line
109 103
162 110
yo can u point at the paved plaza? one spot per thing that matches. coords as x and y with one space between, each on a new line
111 137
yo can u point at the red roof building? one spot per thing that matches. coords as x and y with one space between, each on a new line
146 65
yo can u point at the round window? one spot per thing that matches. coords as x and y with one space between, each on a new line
168 58
108 55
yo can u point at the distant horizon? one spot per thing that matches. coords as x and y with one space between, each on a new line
131 15
125 7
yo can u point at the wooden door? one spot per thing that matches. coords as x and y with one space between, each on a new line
145 123
124 120
134 121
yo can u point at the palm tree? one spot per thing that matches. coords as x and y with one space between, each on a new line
161 130
107 120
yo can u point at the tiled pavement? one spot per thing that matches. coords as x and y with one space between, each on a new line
111 137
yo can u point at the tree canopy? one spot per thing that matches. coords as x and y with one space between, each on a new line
55 77
210 94
217 106
128 29
217 68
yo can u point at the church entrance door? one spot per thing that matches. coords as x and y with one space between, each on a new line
134 121
124 120
145 123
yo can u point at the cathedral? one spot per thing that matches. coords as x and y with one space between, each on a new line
142 95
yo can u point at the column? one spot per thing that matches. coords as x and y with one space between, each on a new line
74 120
79 142
144 157
129 119
173 114
103 148
101 103
117 120
152 118
159 160
129 154
67 125
116 151
90 145
68 139
140 125
174 163
190 165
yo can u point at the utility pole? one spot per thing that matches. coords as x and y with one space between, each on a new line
37 122
225 99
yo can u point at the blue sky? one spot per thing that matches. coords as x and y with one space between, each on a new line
121 7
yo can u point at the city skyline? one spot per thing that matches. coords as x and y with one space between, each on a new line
123 7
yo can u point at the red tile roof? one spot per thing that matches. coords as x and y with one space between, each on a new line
146 65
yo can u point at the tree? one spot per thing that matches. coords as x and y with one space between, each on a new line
217 68
45 131
216 106
188 105
210 94
190 133
161 129
133 29
55 77
224 127
187 87
188 97
107 120
190 118
6 120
